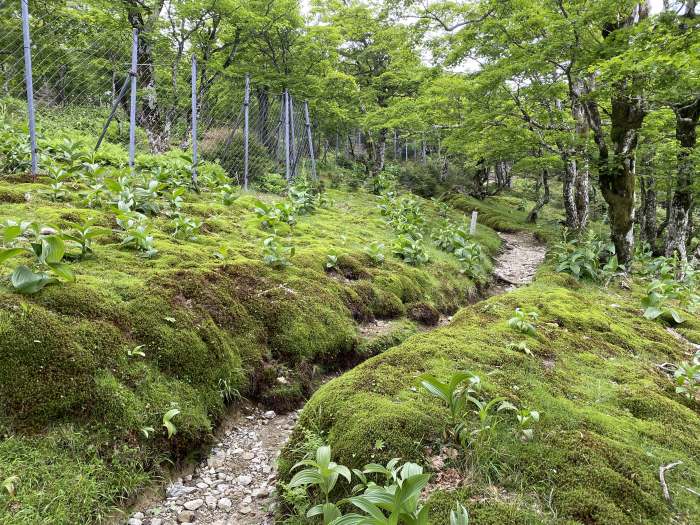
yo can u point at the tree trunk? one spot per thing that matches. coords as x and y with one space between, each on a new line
576 185
542 199
481 179
262 93
380 152
445 169
570 176
583 198
148 115
647 212
681 204
617 173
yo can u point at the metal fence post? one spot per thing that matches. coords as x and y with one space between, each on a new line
310 139
287 164
292 134
29 82
195 160
132 104
246 132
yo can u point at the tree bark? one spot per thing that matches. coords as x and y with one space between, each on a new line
149 114
262 93
542 200
648 230
380 151
679 213
569 191
617 172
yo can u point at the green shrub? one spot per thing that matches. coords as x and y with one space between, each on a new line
271 183
219 146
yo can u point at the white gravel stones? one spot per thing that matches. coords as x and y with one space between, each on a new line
235 484
194 504
244 480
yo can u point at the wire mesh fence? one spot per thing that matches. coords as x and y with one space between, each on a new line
152 93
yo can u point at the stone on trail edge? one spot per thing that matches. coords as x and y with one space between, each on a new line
235 485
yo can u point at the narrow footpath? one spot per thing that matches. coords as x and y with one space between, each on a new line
235 484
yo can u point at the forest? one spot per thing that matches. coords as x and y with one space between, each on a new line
349 262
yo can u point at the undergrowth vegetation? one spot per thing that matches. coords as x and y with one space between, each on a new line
555 403
135 305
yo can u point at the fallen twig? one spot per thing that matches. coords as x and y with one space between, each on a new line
278 287
662 477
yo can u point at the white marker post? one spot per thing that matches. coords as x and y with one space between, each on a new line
472 226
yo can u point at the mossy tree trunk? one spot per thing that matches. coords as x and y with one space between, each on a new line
687 116
542 199
616 169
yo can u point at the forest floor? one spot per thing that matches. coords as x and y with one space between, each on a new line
235 484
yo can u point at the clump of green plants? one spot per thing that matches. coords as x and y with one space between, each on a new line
9 485
459 516
673 288
586 257
453 394
384 181
472 260
524 321
276 254
186 228
176 199
658 301
15 151
271 183
303 196
520 347
229 194
57 183
396 499
384 495
83 235
45 249
168 421
136 234
271 216
450 237
462 396
332 261
527 419
687 377
375 252
410 248
323 474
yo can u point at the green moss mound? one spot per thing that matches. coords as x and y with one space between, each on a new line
610 417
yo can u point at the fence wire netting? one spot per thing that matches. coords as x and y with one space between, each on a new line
81 71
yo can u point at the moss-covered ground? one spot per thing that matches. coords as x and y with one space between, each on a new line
610 417
213 322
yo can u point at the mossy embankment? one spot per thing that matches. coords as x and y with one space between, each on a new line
213 322
609 415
